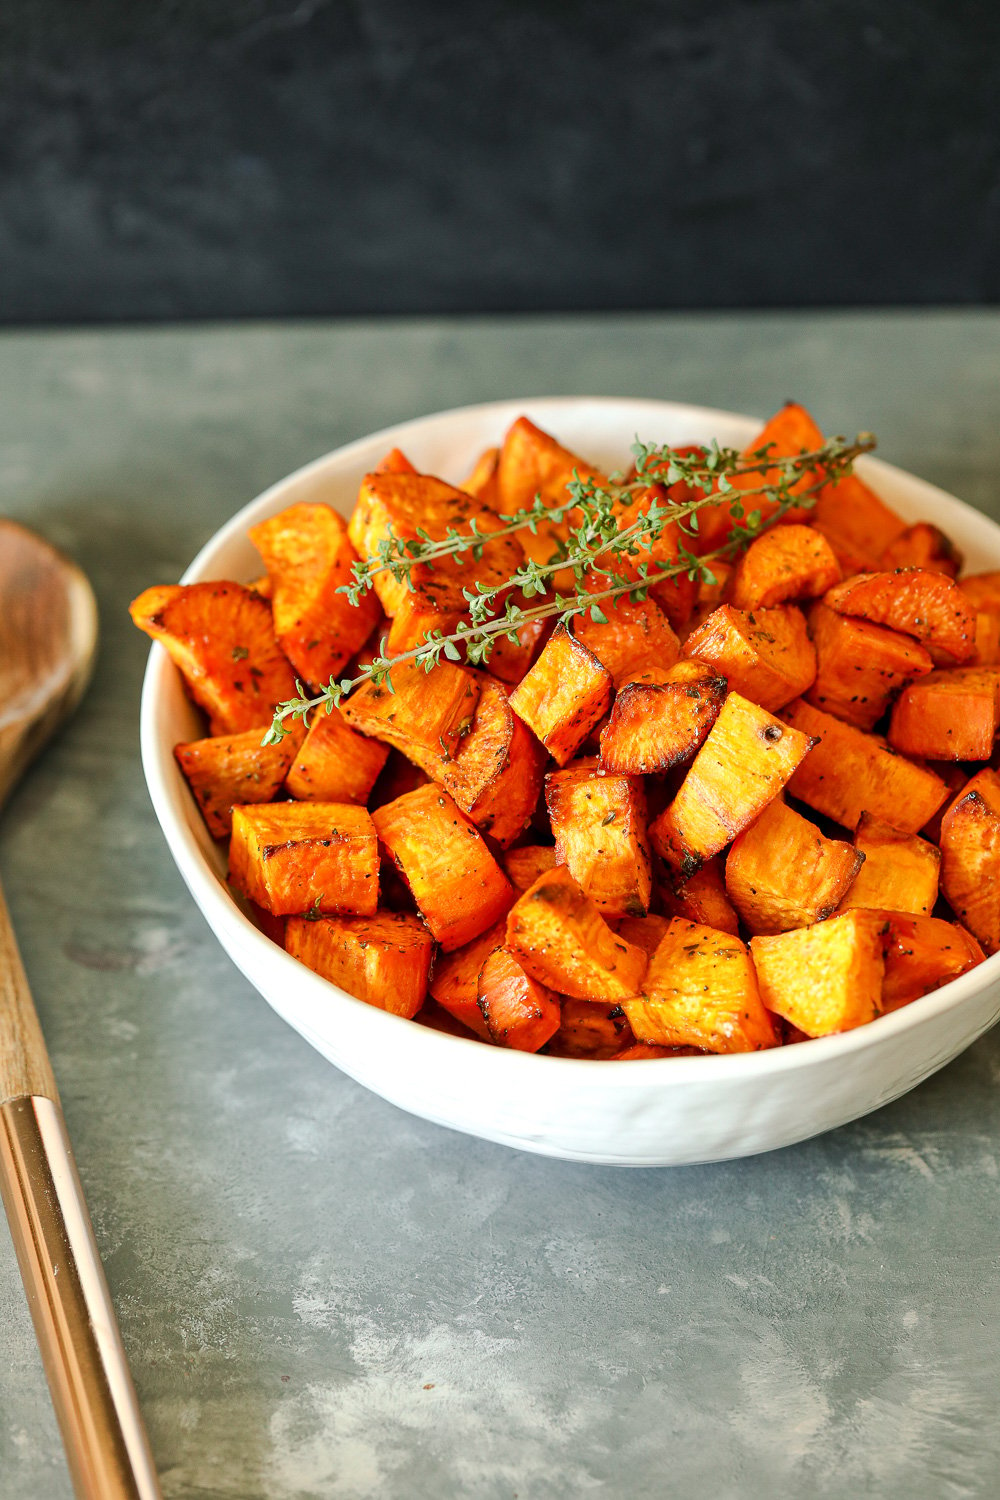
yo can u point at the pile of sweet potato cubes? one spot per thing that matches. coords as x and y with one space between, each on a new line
731 816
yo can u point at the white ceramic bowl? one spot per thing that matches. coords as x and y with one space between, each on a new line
687 1109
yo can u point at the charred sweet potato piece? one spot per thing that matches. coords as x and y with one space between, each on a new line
860 666
921 954
633 638
334 763
309 558
483 481
765 654
533 464
923 545
383 959
520 1012
599 823
702 898
850 772
424 714
826 978
590 1028
785 563
970 858
233 768
497 772
221 637
560 937
783 873
295 857
948 715
566 693
854 520
982 590
458 886
454 981
524 865
660 719
700 990
746 760
900 872
928 606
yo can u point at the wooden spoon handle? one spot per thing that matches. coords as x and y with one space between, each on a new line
82 1351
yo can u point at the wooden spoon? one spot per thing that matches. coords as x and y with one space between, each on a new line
48 640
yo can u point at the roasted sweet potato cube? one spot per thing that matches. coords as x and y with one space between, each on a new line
746 760
929 606
458 886
900 871
599 823
566 693
511 659
455 978
676 591
825 978
701 991
383 959
948 715
497 772
233 768
923 545
850 772
395 462
646 933
783 873
982 590
424 714
987 652
701 897
854 520
221 636
416 619
765 654
859 666
398 776
295 857
660 719
590 1029
309 558
334 763
921 954
633 638
520 1012
647 1051
712 590
533 464
483 481
790 432
785 563
970 858
561 938
524 865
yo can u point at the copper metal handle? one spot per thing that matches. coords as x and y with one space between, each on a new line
88 1374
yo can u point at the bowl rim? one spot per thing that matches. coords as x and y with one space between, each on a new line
164 782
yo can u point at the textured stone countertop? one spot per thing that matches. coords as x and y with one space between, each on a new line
323 1297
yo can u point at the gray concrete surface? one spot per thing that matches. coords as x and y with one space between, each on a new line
322 1297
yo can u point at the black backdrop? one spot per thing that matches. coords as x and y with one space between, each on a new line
262 157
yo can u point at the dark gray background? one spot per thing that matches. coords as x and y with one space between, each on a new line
275 157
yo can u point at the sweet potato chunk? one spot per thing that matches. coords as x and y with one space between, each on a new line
564 695
454 980
650 557
765 654
646 933
383 959
783 873
661 718
424 714
970 858
790 431
854 520
850 772
524 865
700 990
458 886
334 763
634 638
987 652
519 1011
982 590
860 666
825 978
560 937
532 463
647 1051
415 619
922 954
948 715
900 872
483 482
599 823
295 857
746 760
923 546
785 563
590 1028
510 660
233 768
221 637
497 772
929 606
395 462
701 897
309 557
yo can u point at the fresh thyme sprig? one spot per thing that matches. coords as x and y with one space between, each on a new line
591 548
